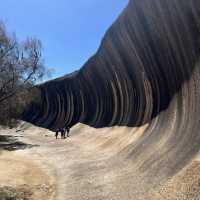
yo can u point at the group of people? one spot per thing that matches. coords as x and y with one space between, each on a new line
63 132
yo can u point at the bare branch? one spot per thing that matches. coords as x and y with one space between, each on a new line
21 65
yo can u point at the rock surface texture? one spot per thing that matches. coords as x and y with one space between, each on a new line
146 71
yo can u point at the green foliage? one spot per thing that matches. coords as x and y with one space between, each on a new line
21 66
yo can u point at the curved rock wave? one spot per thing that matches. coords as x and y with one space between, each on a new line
144 60
146 71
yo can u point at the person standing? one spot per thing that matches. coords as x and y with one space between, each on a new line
68 130
57 133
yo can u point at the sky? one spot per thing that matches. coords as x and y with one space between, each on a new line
70 30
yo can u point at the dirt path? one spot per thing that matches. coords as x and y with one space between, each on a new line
85 166
21 178
80 167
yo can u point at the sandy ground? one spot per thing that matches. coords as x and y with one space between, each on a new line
87 165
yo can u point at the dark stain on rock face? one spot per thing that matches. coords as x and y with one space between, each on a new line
143 61
145 71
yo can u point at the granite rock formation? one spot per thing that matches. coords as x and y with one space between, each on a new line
146 70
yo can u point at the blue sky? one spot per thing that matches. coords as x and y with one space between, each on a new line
70 30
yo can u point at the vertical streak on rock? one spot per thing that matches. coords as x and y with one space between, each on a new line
146 70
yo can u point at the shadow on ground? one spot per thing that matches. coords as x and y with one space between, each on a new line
9 193
11 143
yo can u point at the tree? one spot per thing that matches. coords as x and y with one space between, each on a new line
21 66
